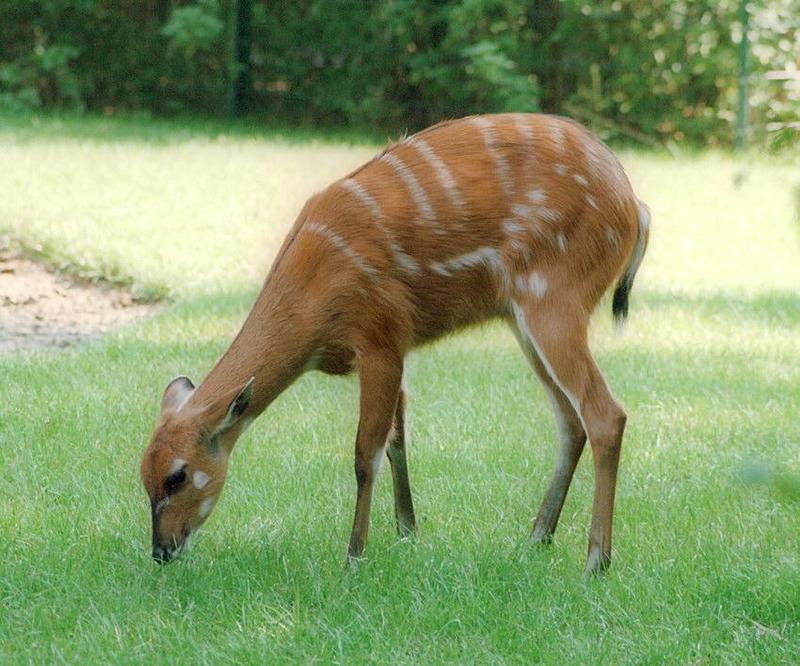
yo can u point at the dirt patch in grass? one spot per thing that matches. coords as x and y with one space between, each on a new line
41 307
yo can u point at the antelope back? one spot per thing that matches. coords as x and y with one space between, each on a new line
446 227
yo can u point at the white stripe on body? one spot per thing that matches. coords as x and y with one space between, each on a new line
341 244
488 257
523 127
402 259
557 133
412 184
443 173
363 196
489 133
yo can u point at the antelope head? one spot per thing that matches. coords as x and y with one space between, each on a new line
184 466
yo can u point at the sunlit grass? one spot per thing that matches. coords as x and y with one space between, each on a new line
705 569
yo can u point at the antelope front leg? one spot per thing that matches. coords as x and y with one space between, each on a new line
380 375
403 504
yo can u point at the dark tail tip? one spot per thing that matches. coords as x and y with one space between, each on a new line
619 306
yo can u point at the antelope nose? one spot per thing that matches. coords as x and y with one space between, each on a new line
161 555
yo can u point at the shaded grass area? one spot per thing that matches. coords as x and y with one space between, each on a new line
705 567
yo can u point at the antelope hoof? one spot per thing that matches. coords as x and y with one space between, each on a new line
541 537
596 564
406 529
354 561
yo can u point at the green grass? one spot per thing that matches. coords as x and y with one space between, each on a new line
705 568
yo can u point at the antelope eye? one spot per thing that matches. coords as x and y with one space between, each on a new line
175 481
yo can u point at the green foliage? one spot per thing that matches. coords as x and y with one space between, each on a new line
194 28
667 71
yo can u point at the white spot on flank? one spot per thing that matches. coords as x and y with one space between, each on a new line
176 465
581 180
538 285
521 284
411 182
520 247
590 200
548 214
363 196
200 479
521 210
560 169
206 506
612 236
444 175
340 244
561 242
510 226
490 138
537 196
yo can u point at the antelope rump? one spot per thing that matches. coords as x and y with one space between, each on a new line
521 216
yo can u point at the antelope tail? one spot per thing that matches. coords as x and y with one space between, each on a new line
619 306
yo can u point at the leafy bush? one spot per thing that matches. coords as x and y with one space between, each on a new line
651 69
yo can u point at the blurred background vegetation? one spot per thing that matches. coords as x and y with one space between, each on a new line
654 71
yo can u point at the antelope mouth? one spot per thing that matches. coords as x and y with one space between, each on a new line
164 553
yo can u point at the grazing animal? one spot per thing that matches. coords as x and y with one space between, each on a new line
520 216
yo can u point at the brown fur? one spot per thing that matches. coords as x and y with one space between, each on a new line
340 295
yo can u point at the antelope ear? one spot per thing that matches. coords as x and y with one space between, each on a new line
177 393
237 407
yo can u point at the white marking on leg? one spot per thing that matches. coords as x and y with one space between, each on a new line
537 284
489 133
444 175
525 330
377 461
206 506
176 465
200 479
412 184
341 244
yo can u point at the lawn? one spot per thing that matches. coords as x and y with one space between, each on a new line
706 567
